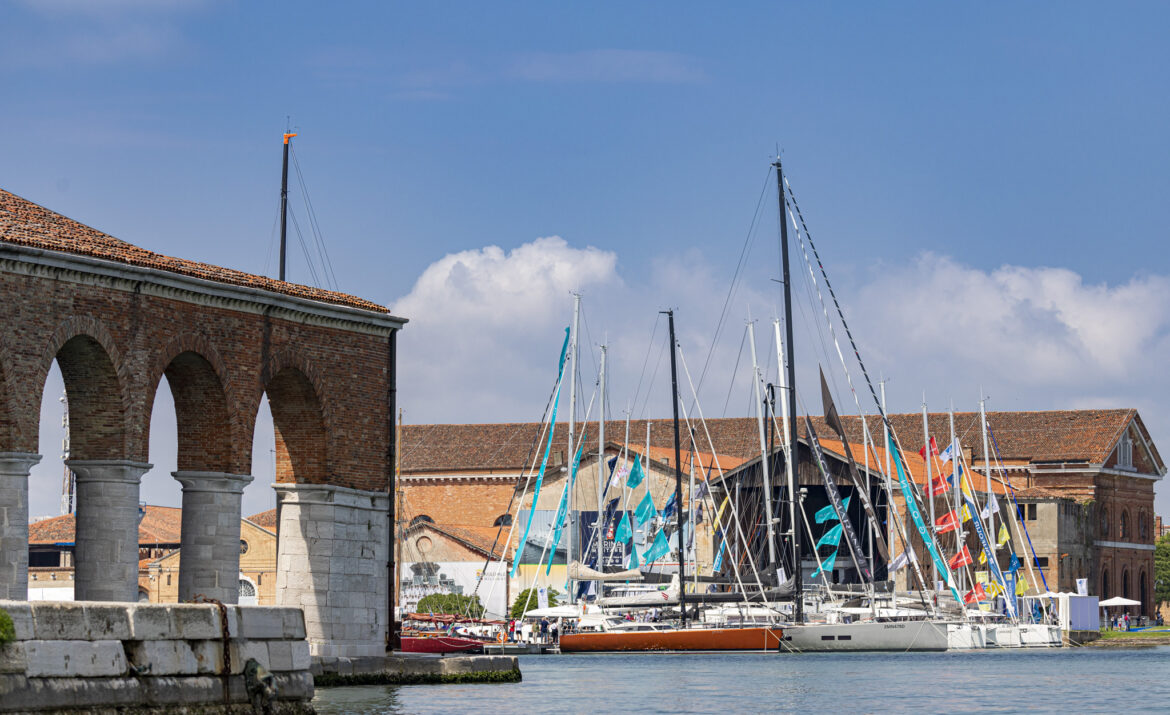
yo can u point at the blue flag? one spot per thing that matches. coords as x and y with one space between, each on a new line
645 511
1014 565
830 514
562 508
658 549
671 503
624 532
826 565
636 474
832 537
633 562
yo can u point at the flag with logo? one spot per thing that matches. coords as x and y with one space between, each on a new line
991 507
982 557
624 532
939 485
832 537
933 449
1004 536
636 474
829 513
965 513
645 511
946 455
963 558
658 549
1021 587
946 522
826 565
975 594
633 562
1014 564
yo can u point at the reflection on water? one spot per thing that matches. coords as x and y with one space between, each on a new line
1073 680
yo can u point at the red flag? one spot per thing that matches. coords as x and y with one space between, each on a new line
975 594
963 558
933 449
940 485
947 522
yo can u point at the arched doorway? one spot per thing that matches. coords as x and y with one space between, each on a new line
1143 593
247 591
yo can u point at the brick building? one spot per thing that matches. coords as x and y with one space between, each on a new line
1084 478
116 318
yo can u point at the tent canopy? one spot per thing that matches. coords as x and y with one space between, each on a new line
1119 601
554 612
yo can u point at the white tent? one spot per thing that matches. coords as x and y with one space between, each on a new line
1119 601
554 612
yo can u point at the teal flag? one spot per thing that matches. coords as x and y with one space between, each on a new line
544 460
1014 565
832 537
658 549
826 565
563 508
623 532
829 514
633 562
645 511
636 474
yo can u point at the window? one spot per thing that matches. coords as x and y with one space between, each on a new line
1125 583
503 520
1042 562
1124 525
1143 527
1031 509
243 547
247 589
1104 523
1125 451
168 579
143 596
421 519
1105 584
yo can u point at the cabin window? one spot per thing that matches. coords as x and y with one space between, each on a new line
826 638
844 638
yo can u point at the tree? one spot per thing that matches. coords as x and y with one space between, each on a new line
1162 570
451 603
527 601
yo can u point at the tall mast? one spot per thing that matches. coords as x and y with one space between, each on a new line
793 451
987 468
601 472
572 453
678 510
789 473
766 483
929 491
889 480
284 204
960 532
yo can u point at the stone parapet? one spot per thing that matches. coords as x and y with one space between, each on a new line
76 655
333 556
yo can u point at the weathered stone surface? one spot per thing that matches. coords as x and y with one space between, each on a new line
59 621
162 657
294 623
208 656
195 622
260 622
107 622
22 618
12 658
149 622
242 650
75 658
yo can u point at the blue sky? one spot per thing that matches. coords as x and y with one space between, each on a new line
996 169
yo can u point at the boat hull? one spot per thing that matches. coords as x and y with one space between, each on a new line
440 644
900 636
691 639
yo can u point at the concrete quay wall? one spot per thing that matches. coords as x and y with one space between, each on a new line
88 656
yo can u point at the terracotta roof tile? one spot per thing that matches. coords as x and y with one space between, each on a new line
25 223
160 525
265 519
1031 437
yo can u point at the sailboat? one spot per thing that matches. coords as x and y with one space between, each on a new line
661 637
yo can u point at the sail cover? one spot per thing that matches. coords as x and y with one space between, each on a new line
580 572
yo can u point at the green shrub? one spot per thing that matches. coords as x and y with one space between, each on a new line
7 630
450 603
526 601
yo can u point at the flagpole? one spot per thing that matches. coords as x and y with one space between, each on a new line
929 490
682 572
767 482
574 353
602 476
986 466
865 447
960 532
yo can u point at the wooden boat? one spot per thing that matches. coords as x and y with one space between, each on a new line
673 639
439 643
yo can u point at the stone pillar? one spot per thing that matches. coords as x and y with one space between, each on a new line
14 468
334 554
106 540
209 561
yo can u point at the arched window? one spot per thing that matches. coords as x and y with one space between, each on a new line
143 596
1104 522
1123 530
1125 583
1143 527
1143 594
1105 584
503 520
421 519
247 590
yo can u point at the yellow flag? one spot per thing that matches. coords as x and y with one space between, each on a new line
1021 587
965 513
1004 537
982 557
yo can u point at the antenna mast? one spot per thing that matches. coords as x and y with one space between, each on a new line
284 204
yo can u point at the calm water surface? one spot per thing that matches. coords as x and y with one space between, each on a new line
1072 680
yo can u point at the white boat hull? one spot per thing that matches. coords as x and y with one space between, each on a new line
897 636
978 636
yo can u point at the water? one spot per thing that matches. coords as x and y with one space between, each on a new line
1069 679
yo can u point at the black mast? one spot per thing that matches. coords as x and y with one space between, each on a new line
284 202
794 447
682 554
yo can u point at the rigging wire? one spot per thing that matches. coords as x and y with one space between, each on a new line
315 226
734 372
646 359
304 248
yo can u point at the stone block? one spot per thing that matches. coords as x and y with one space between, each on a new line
59 620
294 686
293 622
301 660
22 618
75 658
242 650
162 657
195 622
12 658
186 691
208 657
10 684
280 657
150 622
107 621
258 622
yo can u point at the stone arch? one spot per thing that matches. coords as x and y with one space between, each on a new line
503 520
421 519
299 420
95 384
201 389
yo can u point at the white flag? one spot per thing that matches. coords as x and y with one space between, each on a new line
947 453
991 507
542 597
899 561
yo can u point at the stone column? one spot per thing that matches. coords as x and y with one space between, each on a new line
14 468
333 563
209 561
106 541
